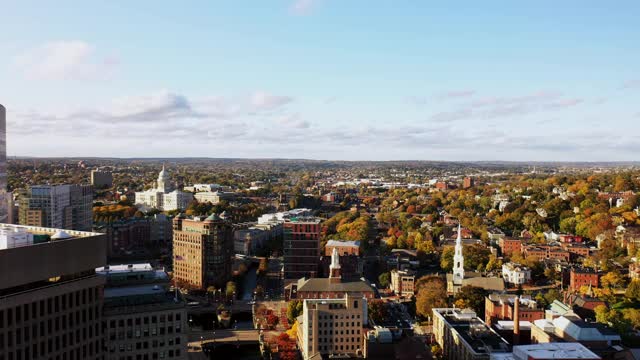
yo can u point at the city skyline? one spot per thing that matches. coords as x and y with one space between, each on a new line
533 82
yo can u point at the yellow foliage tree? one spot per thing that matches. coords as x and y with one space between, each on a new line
293 332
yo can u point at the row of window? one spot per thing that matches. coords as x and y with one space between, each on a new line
144 345
339 316
334 348
340 324
40 350
155 355
339 332
130 333
55 304
48 328
145 320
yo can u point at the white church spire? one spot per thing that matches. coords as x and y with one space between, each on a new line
458 260
334 268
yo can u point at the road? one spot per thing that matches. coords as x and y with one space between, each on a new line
249 283
196 338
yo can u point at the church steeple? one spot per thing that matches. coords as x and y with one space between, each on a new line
458 260
334 268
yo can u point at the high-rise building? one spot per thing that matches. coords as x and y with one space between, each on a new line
142 318
57 206
50 295
4 200
101 179
202 252
301 248
332 327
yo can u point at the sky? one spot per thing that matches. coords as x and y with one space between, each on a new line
323 79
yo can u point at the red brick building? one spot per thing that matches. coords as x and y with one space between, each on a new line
344 247
542 252
441 185
567 238
577 251
510 246
334 287
468 182
500 307
301 248
583 277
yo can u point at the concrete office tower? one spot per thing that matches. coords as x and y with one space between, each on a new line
50 296
57 206
138 303
3 166
202 252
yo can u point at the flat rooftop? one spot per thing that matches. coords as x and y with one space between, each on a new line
343 243
37 262
565 350
474 331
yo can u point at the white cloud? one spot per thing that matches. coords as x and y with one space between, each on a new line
293 121
261 100
303 7
64 60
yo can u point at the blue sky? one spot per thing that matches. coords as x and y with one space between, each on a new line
323 79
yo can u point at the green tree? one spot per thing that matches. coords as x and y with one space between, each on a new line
230 289
294 309
384 279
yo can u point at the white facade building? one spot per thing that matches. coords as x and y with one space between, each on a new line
332 327
213 197
206 187
11 237
516 274
162 198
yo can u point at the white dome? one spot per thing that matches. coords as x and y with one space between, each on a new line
163 175
60 235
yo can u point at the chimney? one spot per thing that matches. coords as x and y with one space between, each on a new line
516 321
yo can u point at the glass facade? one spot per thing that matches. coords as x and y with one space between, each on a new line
4 201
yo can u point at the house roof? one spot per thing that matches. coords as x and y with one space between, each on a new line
581 330
323 284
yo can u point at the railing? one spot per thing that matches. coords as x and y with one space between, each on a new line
47 286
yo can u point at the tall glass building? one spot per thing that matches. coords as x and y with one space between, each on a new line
4 204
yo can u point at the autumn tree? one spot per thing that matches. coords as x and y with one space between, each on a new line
432 293
294 309
446 259
473 298
377 310
633 291
612 279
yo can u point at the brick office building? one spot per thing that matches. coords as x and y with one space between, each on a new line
583 277
510 246
202 252
301 248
